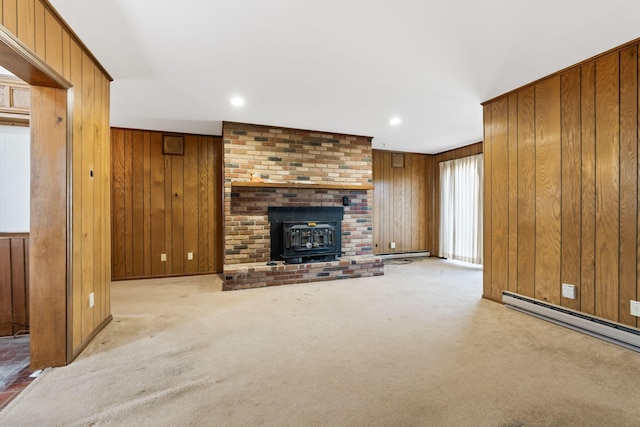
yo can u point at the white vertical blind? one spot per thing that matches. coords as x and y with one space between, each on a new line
15 178
461 209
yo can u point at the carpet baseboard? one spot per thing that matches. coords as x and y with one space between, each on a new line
75 353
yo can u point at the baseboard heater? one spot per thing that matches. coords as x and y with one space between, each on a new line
406 255
607 330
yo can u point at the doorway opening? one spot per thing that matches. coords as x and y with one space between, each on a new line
15 179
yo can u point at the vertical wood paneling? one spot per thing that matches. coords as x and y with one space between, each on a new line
571 161
547 189
26 274
105 207
388 207
171 205
5 288
40 29
19 284
10 15
401 203
607 186
48 255
428 204
526 195
638 196
407 174
500 198
486 214
14 283
117 204
26 24
419 195
66 55
513 193
204 181
87 182
168 214
53 42
191 217
157 205
128 204
137 208
588 225
218 150
398 208
146 209
215 234
77 239
628 182
97 207
177 214
577 139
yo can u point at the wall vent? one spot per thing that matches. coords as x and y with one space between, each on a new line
607 330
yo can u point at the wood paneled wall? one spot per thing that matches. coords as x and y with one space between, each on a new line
561 187
456 153
165 204
402 202
14 283
49 238
68 325
407 200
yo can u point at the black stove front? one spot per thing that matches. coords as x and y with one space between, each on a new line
305 234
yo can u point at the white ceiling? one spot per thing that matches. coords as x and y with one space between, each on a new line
342 66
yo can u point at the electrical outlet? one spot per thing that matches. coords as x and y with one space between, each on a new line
635 308
163 257
91 300
392 245
568 291
189 256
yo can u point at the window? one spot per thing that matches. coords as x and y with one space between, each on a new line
461 209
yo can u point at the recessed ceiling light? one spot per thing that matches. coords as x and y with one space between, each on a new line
395 121
237 101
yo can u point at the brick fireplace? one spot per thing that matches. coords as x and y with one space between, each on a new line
279 167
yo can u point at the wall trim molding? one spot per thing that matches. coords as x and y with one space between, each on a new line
21 61
90 338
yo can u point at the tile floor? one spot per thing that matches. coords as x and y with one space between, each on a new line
15 374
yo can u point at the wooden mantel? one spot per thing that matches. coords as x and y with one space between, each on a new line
321 186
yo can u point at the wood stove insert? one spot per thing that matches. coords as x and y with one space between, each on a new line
306 234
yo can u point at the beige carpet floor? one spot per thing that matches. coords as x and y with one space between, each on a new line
416 347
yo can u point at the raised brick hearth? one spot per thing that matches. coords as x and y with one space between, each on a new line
292 156
258 274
